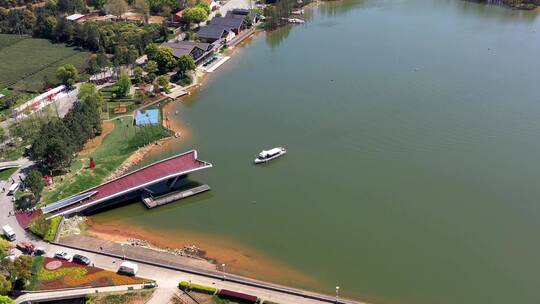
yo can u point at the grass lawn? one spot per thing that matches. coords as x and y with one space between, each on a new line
51 273
24 62
116 147
5 174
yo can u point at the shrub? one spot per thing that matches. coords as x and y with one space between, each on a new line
73 272
40 226
184 285
53 227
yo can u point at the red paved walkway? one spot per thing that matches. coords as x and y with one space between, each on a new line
151 174
25 218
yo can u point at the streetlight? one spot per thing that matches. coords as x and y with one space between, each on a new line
337 294
123 251
223 269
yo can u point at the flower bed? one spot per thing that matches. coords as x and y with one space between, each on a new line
71 275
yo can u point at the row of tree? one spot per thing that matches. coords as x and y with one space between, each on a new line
14 274
59 139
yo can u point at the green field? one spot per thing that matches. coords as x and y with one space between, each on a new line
117 146
25 62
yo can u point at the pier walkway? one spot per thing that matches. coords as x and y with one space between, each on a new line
151 202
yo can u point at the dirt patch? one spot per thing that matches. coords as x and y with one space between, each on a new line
92 144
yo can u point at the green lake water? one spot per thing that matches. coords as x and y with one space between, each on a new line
413 172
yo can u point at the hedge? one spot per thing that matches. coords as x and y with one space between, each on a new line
184 285
53 227
40 226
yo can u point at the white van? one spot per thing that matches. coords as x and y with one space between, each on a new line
128 268
13 188
9 233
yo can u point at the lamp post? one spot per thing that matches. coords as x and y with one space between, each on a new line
223 269
123 251
337 294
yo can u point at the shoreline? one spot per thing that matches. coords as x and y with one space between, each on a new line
239 259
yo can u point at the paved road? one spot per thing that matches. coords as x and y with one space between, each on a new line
14 163
6 204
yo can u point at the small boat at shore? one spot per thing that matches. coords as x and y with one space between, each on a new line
268 155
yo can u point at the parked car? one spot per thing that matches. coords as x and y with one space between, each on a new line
81 259
39 251
62 255
25 247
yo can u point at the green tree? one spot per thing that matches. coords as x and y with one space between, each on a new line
151 51
5 246
185 63
195 15
35 182
204 6
116 7
163 82
6 300
92 65
5 286
67 74
22 267
143 8
123 84
165 60
138 74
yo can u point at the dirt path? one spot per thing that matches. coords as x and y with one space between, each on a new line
91 145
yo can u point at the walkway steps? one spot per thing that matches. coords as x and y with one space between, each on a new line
151 202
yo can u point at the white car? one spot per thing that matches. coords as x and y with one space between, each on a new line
62 255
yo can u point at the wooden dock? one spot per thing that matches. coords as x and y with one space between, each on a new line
151 202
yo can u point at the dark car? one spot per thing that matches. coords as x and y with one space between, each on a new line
80 259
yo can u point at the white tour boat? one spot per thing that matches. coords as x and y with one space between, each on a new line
268 155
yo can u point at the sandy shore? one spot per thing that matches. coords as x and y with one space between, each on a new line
238 258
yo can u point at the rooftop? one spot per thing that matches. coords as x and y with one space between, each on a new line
186 47
157 172
212 31
227 22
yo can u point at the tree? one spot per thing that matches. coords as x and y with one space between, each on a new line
151 51
116 7
195 15
22 267
5 247
67 74
5 286
165 60
71 6
204 6
123 84
185 63
163 82
6 300
92 65
35 182
138 74
143 8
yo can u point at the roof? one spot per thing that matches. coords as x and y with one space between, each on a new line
227 22
181 48
171 167
74 17
129 265
211 31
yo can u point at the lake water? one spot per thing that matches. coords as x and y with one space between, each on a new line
413 172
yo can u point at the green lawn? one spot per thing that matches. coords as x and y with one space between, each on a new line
5 174
117 146
24 62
